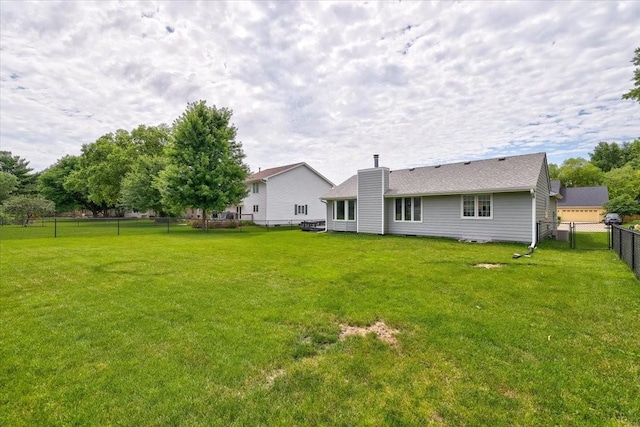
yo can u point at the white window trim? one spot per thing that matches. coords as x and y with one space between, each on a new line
475 206
346 211
412 209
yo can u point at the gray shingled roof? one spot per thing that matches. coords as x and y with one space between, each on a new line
515 173
584 196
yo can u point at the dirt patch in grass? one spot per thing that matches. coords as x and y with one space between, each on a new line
273 375
488 266
382 331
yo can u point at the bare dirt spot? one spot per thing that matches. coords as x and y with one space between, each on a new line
487 266
437 418
382 331
273 375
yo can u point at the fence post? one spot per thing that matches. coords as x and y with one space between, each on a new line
55 227
118 221
168 225
633 251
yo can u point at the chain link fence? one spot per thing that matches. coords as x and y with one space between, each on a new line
578 235
86 226
626 243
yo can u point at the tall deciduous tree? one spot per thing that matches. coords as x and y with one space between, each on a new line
139 190
635 92
205 163
103 165
578 172
623 181
607 156
51 184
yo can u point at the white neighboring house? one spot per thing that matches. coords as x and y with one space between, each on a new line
286 194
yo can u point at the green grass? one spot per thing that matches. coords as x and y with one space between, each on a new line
238 327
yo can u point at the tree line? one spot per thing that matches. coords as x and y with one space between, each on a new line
615 165
194 163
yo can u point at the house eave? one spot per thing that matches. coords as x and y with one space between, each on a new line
392 194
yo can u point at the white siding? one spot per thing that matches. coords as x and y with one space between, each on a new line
299 186
260 199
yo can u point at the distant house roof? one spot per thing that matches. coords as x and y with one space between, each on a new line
271 172
504 174
584 196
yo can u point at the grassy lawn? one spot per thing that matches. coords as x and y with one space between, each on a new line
243 327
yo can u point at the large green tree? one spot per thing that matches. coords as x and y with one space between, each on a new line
18 167
102 166
8 184
205 167
635 92
623 181
607 156
139 190
579 172
51 184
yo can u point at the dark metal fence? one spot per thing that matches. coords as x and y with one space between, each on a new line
578 235
86 226
626 243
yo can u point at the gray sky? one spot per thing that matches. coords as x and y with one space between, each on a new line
331 84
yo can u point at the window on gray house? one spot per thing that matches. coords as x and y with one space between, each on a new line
477 206
408 209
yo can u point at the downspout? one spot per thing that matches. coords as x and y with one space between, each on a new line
326 217
534 233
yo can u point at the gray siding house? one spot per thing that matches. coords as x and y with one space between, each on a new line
501 199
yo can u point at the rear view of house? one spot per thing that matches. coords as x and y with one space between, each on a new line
501 199
286 194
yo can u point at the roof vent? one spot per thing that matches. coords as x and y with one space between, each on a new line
437 166
501 159
412 169
466 163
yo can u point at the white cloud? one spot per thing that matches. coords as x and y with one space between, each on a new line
327 83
